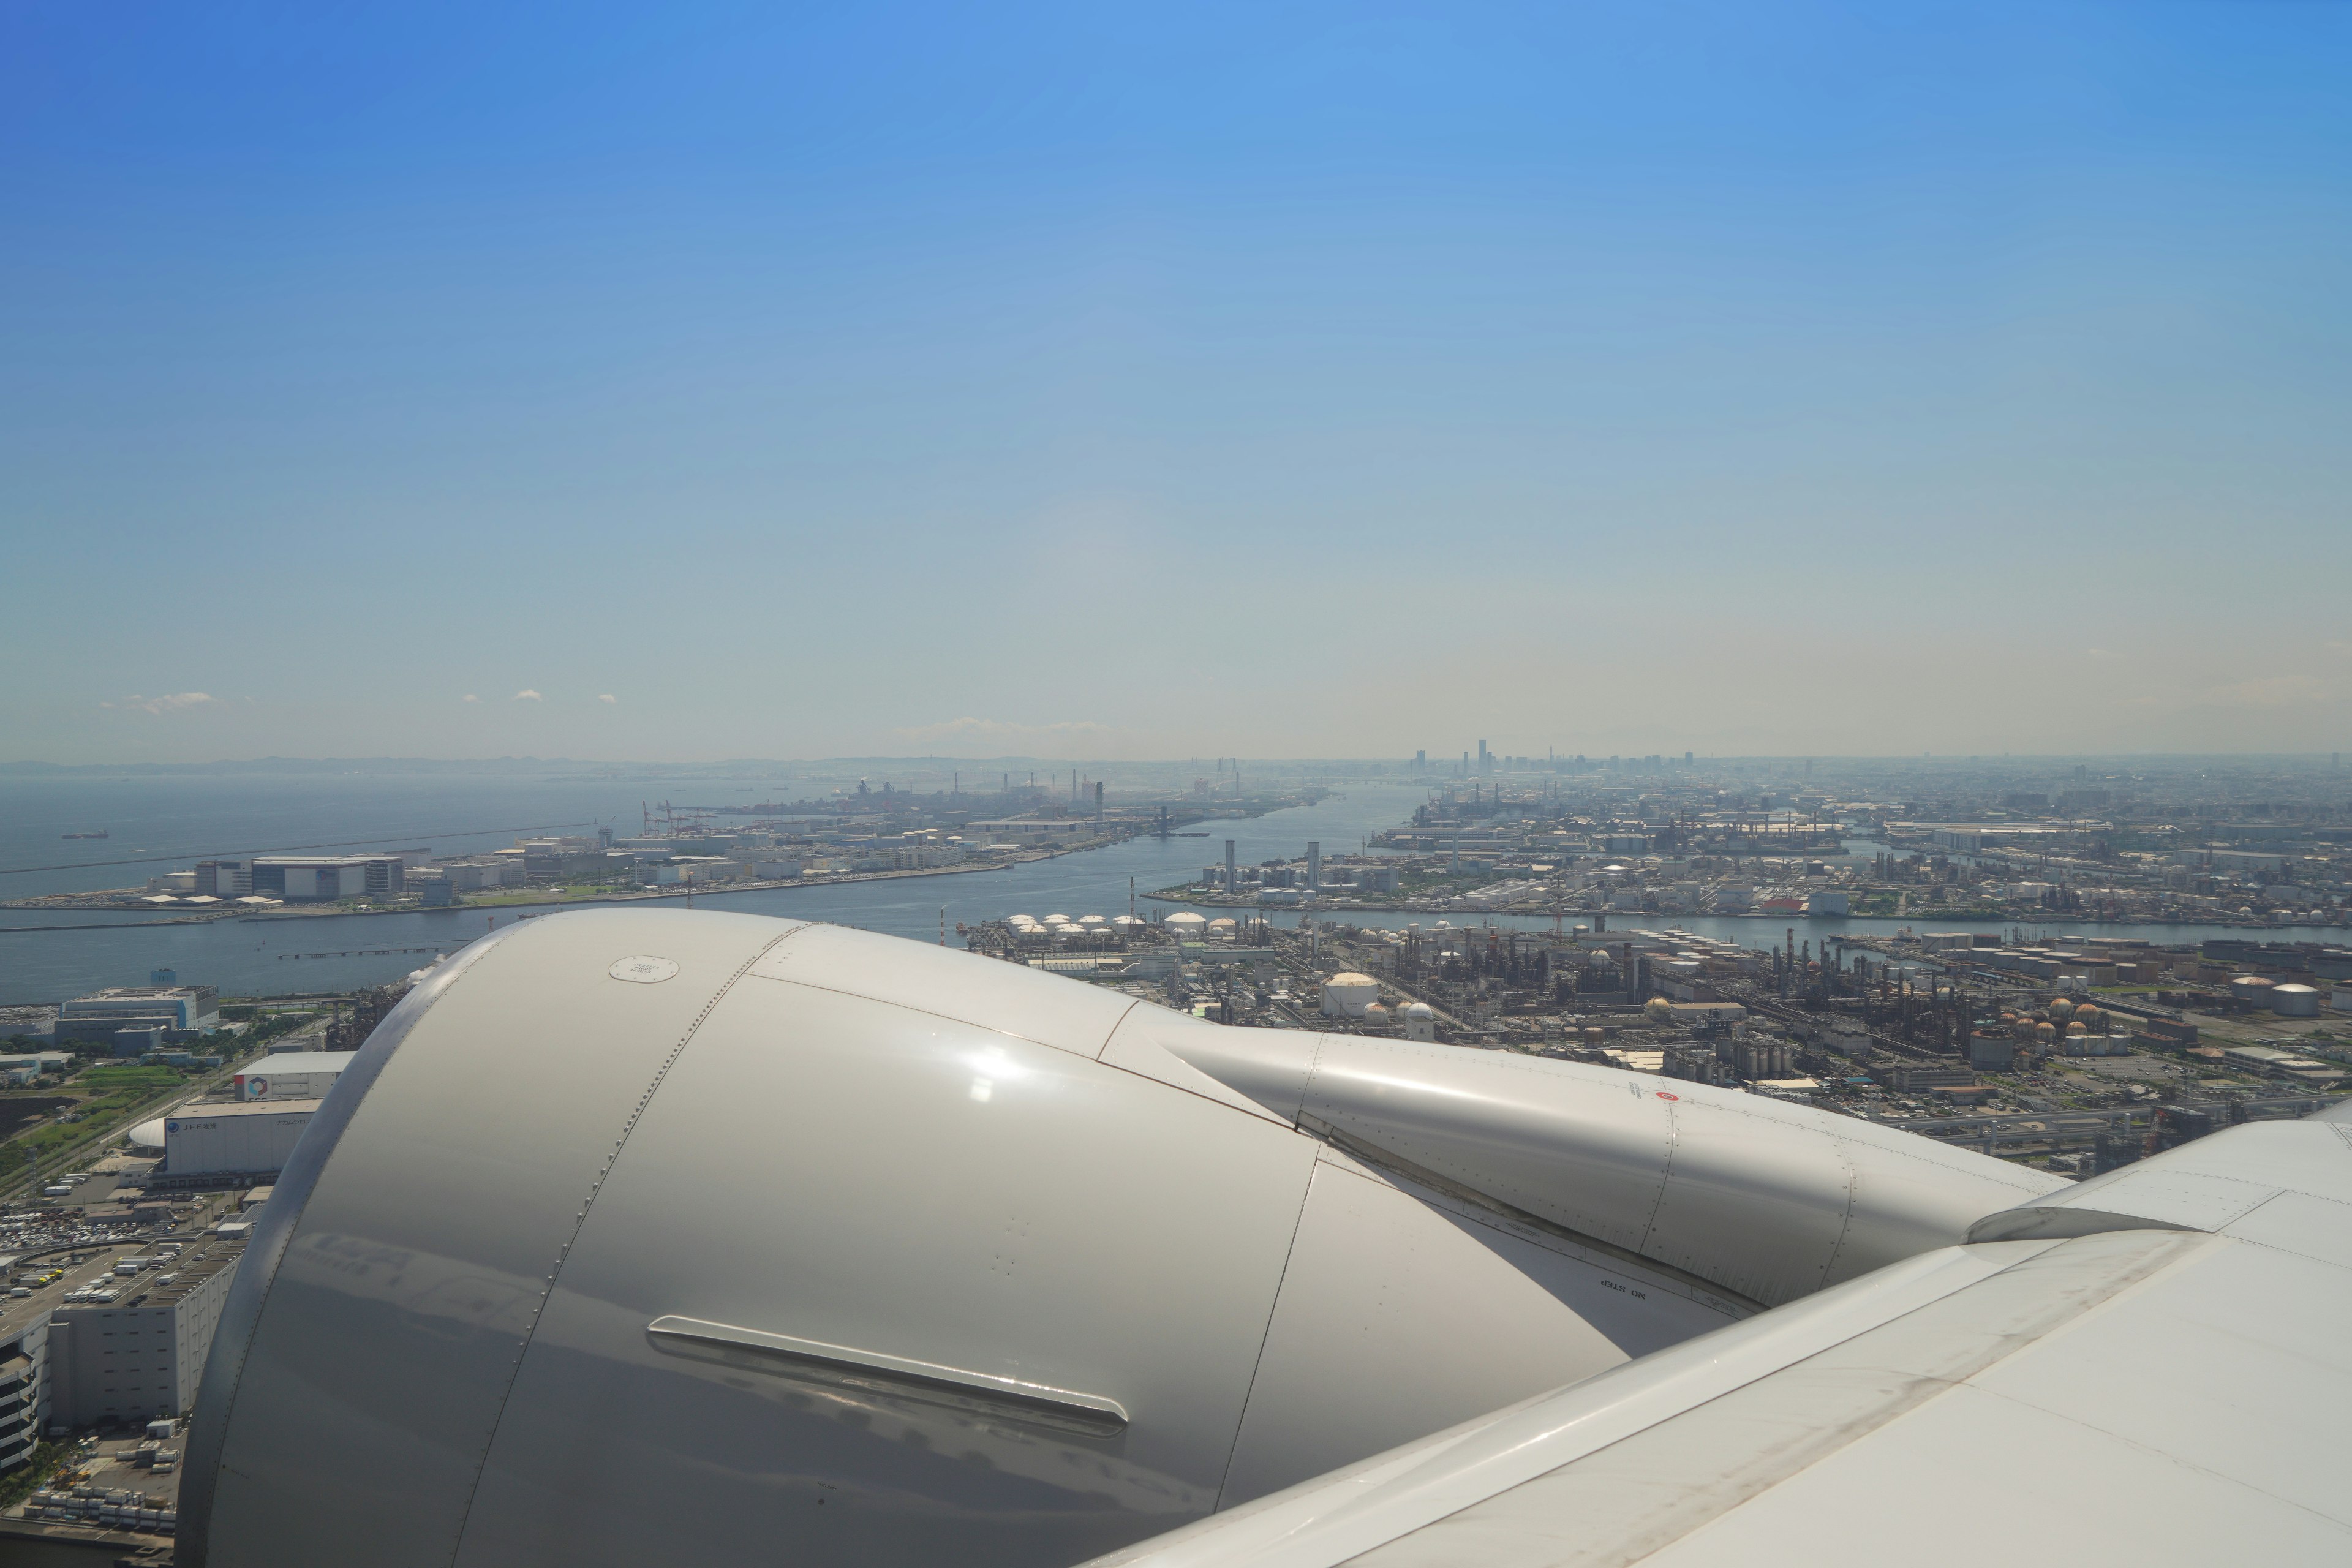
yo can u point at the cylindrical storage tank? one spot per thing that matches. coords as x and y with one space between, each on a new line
2294 1001
1346 995
1186 926
2250 991
1221 929
1092 920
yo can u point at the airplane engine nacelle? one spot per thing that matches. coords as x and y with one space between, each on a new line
641 1237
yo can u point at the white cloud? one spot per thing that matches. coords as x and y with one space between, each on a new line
607 697
170 703
471 698
529 695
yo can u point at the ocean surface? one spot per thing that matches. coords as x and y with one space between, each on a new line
184 819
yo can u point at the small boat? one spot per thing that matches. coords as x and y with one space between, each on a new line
100 834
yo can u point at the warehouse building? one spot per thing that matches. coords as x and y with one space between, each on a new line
176 1010
294 1075
231 1145
138 1357
308 876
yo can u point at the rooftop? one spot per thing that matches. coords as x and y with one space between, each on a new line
206 1110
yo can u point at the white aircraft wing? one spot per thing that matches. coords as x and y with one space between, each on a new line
2149 1367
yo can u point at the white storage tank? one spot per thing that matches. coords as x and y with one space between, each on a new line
1186 926
1346 995
2294 1001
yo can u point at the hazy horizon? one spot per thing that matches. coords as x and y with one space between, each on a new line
727 381
1397 767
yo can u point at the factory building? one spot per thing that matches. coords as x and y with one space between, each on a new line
245 1143
173 1011
294 1075
308 878
137 1357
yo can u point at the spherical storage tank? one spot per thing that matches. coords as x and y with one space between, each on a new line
2294 1001
653 1237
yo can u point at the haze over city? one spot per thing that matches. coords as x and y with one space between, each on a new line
1083 383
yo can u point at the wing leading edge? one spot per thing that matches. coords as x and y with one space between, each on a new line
2145 1367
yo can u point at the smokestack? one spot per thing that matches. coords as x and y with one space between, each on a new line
1314 865
1232 885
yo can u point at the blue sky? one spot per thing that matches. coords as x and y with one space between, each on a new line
1168 381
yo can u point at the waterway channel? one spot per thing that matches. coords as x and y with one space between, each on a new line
295 955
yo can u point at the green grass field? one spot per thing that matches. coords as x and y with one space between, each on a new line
112 1078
